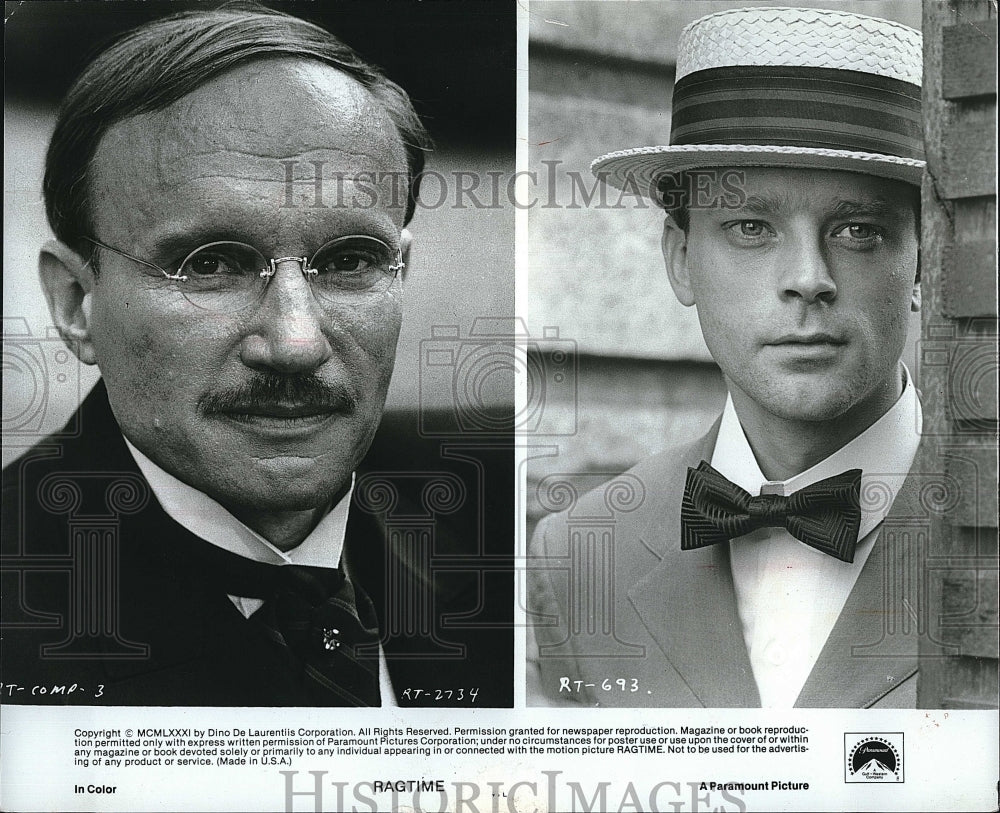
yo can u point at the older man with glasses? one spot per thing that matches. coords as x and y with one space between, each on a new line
246 341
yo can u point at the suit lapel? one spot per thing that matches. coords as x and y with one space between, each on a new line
163 600
859 664
687 601
696 625
845 675
166 601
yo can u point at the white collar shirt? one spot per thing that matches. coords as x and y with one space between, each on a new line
208 520
788 594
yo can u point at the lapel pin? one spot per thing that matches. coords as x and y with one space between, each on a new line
330 641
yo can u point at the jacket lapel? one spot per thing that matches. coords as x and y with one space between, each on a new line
687 601
696 625
845 674
164 601
861 662
168 603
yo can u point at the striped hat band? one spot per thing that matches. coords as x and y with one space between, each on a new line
798 88
823 108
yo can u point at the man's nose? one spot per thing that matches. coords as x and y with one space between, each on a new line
286 333
806 274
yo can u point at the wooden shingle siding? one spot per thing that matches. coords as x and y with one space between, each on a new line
958 358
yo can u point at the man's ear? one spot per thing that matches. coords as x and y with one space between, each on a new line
915 297
68 282
405 243
674 244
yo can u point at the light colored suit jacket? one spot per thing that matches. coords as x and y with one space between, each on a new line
622 616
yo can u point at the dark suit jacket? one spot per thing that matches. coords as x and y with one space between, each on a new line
613 596
98 592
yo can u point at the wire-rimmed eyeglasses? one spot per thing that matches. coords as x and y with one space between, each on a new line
228 276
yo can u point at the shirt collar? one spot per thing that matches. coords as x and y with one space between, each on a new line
884 452
208 520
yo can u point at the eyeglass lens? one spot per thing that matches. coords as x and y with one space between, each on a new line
230 276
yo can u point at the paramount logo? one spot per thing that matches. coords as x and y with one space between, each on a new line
873 757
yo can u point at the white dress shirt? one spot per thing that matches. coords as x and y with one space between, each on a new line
208 520
789 595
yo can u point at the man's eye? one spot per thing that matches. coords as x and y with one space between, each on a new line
859 231
349 262
222 259
353 256
748 230
205 265
356 263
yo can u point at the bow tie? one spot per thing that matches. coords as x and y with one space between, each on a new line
825 515
324 623
330 625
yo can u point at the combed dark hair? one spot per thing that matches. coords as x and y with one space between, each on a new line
672 195
156 64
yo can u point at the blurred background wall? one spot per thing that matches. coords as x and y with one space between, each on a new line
456 60
601 77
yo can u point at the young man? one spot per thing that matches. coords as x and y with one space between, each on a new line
753 573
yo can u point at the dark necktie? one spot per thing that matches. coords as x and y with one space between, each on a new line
329 627
324 623
825 515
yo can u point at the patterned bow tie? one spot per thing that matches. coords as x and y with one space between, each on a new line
825 515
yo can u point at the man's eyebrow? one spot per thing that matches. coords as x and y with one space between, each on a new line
777 203
877 207
765 204
171 241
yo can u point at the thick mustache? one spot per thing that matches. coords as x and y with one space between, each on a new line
280 391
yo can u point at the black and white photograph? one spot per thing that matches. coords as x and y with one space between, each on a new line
231 478
760 477
500 406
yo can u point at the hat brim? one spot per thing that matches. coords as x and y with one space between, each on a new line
642 166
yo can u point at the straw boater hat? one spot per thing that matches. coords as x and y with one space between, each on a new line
788 87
